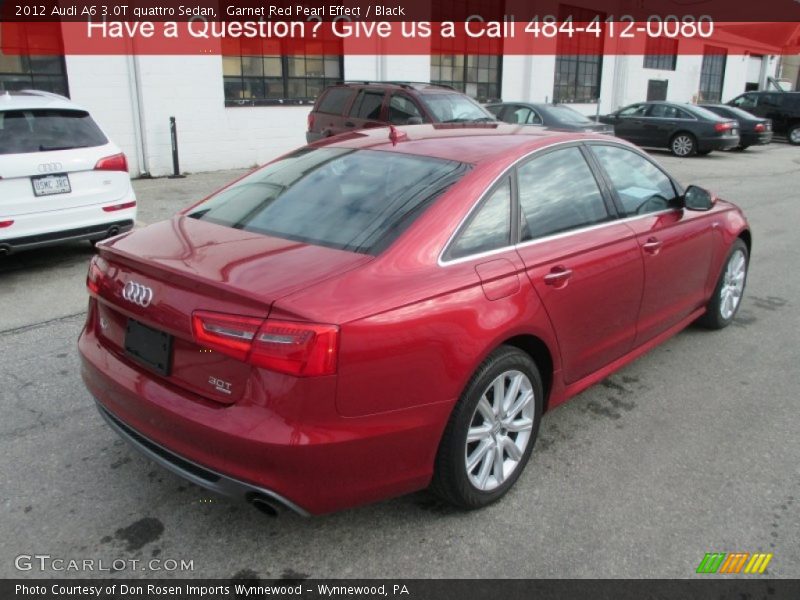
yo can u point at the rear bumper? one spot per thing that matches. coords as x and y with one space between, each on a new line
290 445
718 143
756 139
215 482
89 232
312 136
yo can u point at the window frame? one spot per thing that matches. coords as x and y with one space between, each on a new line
708 75
285 78
31 74
460 85
660 61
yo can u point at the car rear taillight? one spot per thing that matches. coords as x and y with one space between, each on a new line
8 223
117 162
760 127
301 349
723 126
230 334
310 121
123 206
96 277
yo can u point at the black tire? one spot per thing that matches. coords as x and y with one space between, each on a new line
713 318
793 135
742 147
681 140
450 480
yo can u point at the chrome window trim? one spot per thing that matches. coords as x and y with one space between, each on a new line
554 236
440 261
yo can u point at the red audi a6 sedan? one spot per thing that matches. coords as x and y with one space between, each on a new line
394 309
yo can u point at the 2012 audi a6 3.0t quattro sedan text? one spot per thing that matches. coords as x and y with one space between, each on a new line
394 309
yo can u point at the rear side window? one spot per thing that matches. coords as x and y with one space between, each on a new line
367 105
25 131
489 228
335 100
356 200
558 192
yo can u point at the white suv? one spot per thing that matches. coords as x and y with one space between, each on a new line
60 177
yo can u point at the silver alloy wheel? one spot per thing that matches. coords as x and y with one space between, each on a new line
499 431
682 145
794 135
732 284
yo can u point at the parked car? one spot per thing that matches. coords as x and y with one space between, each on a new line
782 108
60 177
363 317
554 116
361 105
685 129
753 131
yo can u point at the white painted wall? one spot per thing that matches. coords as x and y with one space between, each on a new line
213 137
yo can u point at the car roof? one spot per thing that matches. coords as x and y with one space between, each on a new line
35 99
472 143
418 86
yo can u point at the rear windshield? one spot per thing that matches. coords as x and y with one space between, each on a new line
356 200
24 131
455 108
568 115
699 111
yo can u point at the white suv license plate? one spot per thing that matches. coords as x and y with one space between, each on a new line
47 185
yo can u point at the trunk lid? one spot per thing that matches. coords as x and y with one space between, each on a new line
189 265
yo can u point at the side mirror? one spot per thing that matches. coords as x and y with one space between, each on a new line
414 121
697 198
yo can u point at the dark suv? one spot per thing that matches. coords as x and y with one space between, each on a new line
782 107
365 104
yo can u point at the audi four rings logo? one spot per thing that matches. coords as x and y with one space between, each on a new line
52 167
137 293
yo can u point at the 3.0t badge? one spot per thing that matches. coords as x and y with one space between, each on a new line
137 293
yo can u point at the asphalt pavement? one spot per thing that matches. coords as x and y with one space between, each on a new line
691 449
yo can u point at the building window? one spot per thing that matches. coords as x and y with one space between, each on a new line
579 60
477 75
661 53
712 74
36 61
260 74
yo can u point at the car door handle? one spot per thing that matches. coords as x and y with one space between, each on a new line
558 276
349 124
652 245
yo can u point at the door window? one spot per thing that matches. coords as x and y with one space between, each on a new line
558 192
637 110
522 115
489 228
663 111
746 101
367 105
401 109
641 186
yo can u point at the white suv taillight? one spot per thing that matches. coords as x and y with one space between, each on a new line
117 162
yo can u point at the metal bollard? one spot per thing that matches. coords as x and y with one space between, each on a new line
173 132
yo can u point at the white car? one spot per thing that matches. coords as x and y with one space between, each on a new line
60 177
